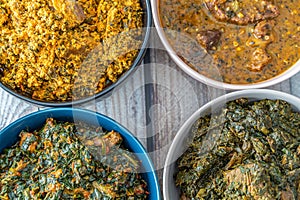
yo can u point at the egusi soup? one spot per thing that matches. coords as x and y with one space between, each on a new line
60 50
235 41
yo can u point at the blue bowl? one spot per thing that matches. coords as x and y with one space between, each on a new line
10 135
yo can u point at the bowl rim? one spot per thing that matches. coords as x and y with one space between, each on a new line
181 133
291 71
106 91
100 118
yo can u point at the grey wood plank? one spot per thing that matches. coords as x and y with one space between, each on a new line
284 86
175 97
295 85
12 108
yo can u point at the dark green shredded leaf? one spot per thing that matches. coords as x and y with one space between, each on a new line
253 155
70 161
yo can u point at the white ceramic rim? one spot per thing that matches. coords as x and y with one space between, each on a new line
294 69
251 93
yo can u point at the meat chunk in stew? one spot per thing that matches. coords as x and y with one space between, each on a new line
263 29
209 38
259 60
242 12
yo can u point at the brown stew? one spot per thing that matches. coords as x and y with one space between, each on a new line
235 41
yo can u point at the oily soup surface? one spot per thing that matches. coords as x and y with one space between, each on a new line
235 41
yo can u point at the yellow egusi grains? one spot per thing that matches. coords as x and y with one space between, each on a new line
60 50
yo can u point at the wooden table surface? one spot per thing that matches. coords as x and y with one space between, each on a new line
153 103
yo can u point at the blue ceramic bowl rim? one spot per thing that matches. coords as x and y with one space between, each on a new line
147 27
86 116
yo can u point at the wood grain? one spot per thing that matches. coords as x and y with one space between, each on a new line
12 108
175 97
295 85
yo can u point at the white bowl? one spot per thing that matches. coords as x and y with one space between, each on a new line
178 146
209 81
